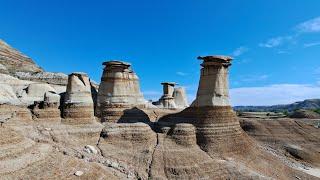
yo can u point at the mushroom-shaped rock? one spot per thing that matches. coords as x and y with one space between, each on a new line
167 100
119 90
213 87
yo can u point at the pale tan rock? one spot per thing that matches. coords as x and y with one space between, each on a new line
78 89
119 85
47 110
78 107
167 100
119 91
7 95
35 92
213 87
15 61
180 98
129 143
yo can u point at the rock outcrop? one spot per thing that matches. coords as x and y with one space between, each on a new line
167 100
35 92
213 87
119 91
131 144
211 112
78 107
180 98
46 77
218 131
47 110
13 61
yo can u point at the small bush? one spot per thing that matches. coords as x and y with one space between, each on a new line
317 111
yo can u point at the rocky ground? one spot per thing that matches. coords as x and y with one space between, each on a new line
52 150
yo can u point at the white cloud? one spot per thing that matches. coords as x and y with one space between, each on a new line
312 25
274 94
311 44
239 51
181 73
277 41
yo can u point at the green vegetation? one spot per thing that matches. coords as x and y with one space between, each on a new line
317 111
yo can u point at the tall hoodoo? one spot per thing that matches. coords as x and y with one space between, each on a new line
78 102
119 90
213 87
218 129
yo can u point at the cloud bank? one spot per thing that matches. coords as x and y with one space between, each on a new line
309 26
273 94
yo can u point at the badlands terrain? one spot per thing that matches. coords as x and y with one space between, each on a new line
57 126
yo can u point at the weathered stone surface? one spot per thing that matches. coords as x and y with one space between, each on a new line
119 91
167 99
47 77
78 104
35 92
23 92
47 110
213 87
23 158
131 144
218 132
180 98
13 113
7 95
13 61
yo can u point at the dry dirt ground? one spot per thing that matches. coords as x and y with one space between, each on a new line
288 149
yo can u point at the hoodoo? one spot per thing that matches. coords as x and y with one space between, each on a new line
78 104
213 87
218 129
119 91
167 99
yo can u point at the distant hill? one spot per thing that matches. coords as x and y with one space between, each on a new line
17 64
306 104
12 61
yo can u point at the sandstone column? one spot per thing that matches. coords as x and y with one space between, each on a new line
78 105
217 127
119 91
213 87
167 99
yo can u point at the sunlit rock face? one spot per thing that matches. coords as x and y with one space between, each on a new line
180 98
213 87
12 61
119 91
78 103
218 129
167 100
47 110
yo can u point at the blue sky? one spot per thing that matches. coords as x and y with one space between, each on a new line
276 44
